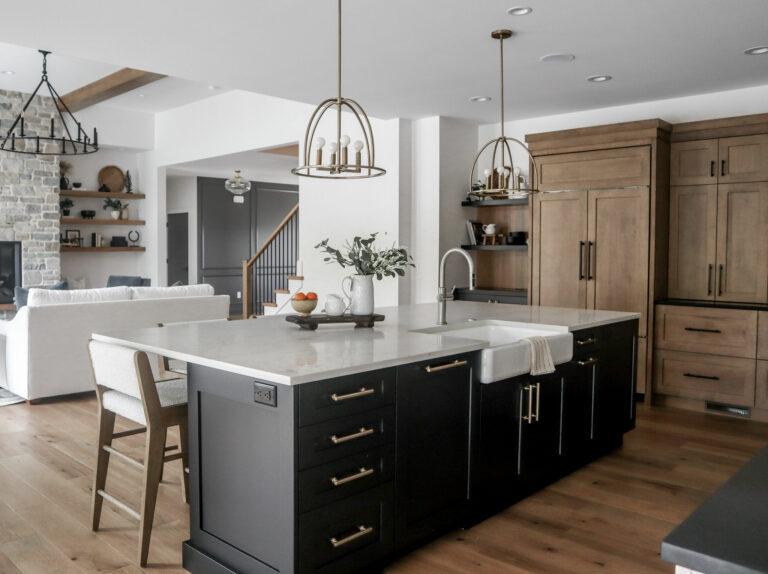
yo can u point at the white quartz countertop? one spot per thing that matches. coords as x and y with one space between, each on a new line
271 349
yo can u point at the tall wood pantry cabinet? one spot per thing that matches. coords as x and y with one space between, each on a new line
599 226
718 243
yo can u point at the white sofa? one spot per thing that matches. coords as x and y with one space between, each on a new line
44 348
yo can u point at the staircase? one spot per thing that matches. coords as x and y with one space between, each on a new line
269 277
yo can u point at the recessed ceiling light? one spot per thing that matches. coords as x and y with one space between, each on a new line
519 10
599 79
480 99
756 50
8 72
140 95
558 57
212 87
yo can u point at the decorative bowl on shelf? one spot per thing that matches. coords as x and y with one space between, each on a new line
77 184
304 306
87 213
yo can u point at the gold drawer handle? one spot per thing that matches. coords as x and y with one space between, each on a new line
362 473
446 366
590 361
582 342
363 392
361 531
335 439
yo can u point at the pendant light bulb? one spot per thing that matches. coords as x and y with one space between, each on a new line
344 141
358 145
319 143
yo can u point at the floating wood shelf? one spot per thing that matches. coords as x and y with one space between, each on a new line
68 249
81 221
495 247
7 306
495 202
100 194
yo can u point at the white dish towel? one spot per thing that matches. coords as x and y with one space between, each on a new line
541 356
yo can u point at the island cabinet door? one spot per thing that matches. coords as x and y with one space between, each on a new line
615 380
539 421
433 412
578 393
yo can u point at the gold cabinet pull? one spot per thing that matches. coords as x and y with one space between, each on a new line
359 533
335 439
529 417
538 400
362 473
446 366
363 392
582 342
590 361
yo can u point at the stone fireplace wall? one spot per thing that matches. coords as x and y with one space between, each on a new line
29 194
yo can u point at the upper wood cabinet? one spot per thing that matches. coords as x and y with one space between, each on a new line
743 159
693 162
742 242
600 169
560 249
617 241
726 160
692 241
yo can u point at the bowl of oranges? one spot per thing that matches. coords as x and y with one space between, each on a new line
304 303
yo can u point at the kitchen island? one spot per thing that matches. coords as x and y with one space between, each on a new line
338 449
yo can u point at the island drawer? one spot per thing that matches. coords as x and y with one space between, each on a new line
334 398
348 536
728 380
586 341
729 332
345 477
343 437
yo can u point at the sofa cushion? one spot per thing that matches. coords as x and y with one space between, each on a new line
43 297
127 281
203 290
21 294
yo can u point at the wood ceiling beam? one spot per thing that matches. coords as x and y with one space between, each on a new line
108 87
291 150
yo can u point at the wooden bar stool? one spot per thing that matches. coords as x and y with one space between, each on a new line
126 386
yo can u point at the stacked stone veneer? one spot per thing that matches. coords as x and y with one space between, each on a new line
29 193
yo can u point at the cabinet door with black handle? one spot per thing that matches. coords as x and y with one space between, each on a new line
433 412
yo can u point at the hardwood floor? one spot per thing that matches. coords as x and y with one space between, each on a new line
608 517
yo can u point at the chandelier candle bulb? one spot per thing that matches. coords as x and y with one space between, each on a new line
52 128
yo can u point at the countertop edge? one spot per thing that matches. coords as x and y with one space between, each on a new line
698 562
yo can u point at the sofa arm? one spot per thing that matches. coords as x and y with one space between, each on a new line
14 355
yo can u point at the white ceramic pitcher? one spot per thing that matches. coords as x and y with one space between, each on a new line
360 293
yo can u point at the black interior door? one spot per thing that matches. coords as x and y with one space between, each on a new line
178 249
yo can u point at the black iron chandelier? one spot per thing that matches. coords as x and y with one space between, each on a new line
43 140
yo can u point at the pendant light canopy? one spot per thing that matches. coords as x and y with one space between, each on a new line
332 160
502 178
43 140
237 186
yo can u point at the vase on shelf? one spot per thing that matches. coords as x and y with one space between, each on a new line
115 214
124 213
360 294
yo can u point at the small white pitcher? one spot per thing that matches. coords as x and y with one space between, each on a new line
360 294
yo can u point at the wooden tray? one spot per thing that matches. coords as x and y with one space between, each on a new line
113 177
311 322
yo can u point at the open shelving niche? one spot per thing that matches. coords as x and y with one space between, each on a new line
501 268
104 222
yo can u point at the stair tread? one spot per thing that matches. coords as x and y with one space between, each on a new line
283 291
269 304
296 277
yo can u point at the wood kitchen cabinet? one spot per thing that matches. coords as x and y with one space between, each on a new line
692 241
693 162
743 159
742 242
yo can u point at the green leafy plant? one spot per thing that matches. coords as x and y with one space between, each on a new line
366 259
113 204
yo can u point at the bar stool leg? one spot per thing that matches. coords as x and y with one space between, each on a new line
153 466
184 447
106 430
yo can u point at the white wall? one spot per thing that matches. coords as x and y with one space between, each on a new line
674 110
181 197
119 127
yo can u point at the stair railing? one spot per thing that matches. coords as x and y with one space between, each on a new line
271 265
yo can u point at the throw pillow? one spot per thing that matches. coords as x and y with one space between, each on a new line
76 282
21 294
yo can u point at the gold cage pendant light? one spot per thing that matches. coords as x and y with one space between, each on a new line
334 161
502 179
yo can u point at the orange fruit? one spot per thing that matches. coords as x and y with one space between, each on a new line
299 296
312 296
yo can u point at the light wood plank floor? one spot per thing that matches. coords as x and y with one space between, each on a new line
608 517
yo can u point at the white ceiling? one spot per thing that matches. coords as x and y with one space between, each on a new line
412 58
67 73
255 165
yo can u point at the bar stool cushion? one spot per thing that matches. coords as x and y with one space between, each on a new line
171 393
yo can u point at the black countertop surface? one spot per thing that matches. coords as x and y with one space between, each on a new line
714 304
729 532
